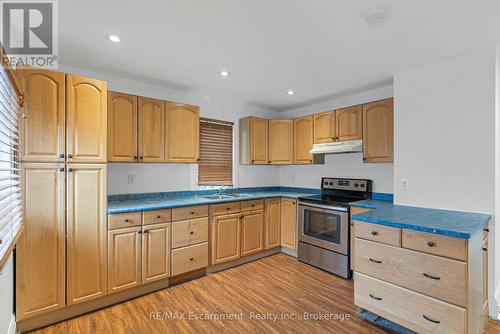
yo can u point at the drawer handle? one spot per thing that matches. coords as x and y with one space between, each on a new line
158 217
126 220
374 261
374 297
192 212
253 205
431 276
374 233
431 320
191 259
192 232
228 208
431 244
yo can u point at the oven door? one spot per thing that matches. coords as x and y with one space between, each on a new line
324 227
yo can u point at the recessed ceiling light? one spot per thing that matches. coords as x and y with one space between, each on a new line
113 38
290 92
376 15
224 73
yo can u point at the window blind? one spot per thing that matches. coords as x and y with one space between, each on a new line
216 153
10 183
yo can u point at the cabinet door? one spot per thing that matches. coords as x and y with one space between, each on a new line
378 131
40 259
225 238
324 127
252 232
124 258
289 223
303 139
272 226
259 141
43 126
349 123
87 235
281 141
86 113
122 127
183 133
156 252
151 130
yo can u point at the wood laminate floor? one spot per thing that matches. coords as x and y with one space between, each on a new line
252 294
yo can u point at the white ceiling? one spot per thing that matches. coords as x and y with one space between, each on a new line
320 48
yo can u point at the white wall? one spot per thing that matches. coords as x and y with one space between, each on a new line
7 293
340 165
171 177
444 142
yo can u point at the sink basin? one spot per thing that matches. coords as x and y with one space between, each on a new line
215 197
236 195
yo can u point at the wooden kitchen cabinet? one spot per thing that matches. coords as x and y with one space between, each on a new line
226 238
281 141
324 127
349 123
378 131
182 134
124 258
43 128
40 252
156 247
252 232
122 127
254 141
86 119
272 226
289 223
303 140
86 232
151 130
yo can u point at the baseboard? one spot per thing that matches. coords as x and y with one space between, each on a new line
12 325
288 251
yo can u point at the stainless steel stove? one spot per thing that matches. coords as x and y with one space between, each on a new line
324 224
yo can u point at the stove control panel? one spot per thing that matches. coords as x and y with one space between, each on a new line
345 184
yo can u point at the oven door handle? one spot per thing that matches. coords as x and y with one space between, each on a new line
331 208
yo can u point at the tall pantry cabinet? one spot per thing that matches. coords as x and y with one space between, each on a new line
61 259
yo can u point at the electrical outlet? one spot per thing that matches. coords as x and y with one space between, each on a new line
131 178
404 184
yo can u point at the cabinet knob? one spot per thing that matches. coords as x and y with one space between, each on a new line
191 259
141 158
192 232
135 157
431 244
198 159
364 159
70 156
61 169
126 220
485 249
374 233
158 217
61 155
70 170
253 161
253 205
192 212
228 209
486 229
24 116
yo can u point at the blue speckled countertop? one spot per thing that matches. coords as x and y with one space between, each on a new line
446 222
154 201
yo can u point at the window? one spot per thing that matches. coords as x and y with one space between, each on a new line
216 153
10 192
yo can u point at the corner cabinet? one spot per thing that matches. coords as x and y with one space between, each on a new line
281 141
303 140
122 127
86 232
182 135
86 119
151 130
254 141
378 131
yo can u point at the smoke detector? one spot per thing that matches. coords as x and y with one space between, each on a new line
376 15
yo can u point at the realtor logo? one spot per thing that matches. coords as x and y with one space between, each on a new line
29 32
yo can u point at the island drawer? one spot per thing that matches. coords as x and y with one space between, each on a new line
189 258
224 208
122 220
379 233
189 232
189 212
410 309
156 216
455 248
252 205
435 276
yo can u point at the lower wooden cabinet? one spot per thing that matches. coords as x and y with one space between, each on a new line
124 258
272 226
189 258
156 252
252 230
226 238
289 226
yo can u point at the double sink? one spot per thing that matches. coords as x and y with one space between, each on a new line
226 196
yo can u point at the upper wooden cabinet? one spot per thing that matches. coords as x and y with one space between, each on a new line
122 127
303 139
349 123
324 127
182 137
43 116
86 119
378 131
281 141
151 130
254 141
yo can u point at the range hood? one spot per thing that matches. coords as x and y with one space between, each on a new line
349 146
